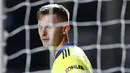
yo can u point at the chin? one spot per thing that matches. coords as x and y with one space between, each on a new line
45 45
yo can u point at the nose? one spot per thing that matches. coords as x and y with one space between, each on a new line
44 31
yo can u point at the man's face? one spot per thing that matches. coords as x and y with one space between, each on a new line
49 35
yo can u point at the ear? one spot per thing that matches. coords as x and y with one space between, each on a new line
66 29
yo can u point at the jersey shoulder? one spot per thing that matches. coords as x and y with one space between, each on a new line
71 51
71 59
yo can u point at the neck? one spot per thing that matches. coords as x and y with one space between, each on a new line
63 42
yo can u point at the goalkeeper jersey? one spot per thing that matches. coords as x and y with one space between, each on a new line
71 59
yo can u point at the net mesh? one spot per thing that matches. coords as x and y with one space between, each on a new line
99 27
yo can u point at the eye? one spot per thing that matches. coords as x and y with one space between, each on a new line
50 26
40 27
47 27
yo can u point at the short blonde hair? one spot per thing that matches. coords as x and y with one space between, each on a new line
57 9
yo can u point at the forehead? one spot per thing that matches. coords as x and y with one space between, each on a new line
48 18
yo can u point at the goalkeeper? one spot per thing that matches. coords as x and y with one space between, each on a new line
53 28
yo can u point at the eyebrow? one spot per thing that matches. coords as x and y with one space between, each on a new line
53 25
40 25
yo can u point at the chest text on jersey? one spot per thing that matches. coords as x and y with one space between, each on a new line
74 67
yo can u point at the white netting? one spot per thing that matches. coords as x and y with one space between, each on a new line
1 37
98 45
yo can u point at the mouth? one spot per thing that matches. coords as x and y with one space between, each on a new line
45 40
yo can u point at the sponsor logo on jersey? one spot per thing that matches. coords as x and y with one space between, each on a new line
74 67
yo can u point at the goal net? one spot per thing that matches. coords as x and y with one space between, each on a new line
100 27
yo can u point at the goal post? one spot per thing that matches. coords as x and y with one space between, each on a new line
1 36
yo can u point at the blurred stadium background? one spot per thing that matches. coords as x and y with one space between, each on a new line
100 27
